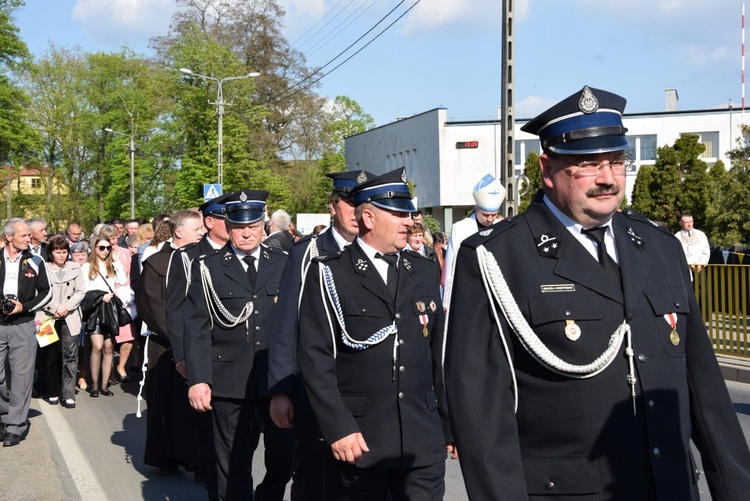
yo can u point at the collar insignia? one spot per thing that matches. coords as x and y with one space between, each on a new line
266 255
228 256
486 232
407 264
588 102
638 241
548 245
362 265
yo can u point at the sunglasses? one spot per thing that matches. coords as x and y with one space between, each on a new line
104 247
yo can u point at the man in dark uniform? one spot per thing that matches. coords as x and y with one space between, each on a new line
577 364
229 309
215 238
289 402
371 326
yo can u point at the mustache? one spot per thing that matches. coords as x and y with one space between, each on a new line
603 190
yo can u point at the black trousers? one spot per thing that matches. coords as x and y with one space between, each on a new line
346 482
234 429
309 458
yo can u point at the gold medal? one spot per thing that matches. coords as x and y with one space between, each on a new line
674 337
572 331
424 331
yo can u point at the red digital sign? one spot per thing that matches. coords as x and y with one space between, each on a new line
462 145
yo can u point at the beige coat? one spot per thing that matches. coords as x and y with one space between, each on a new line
68 291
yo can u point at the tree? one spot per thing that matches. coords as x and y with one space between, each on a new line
533 172
731 221
17 140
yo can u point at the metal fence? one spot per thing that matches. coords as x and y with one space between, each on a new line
722 292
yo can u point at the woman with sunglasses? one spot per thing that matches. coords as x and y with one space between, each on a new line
102 273
127 335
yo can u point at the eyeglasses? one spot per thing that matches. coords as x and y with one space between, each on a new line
619 166
104 247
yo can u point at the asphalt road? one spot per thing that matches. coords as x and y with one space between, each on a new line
95 452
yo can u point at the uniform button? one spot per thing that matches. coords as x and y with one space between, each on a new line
567 313
550 486
257 327
401 369
364 310
657 452
257 343
401 394
651 404
256 312
398 315
642 357
255 296
400 341
218 357
677 304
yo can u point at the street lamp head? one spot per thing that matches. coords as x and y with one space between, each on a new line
106 129
186 71
253 74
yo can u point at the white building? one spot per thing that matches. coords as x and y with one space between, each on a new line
445 159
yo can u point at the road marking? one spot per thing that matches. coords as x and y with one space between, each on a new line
80 470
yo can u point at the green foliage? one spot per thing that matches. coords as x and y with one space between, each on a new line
533 172
677 182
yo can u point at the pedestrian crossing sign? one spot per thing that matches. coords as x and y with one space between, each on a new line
211 191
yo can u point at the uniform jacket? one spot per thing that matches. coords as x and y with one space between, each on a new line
283 372
234 361
579 437
68 291
177 285
281 240
394 406
34 290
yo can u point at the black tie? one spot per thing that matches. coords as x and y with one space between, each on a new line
609 264
252 273
392 282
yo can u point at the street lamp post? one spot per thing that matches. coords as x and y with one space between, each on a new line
131 152
220 103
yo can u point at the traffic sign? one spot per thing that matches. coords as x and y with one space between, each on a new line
211 191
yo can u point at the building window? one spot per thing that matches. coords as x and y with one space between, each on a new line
711 141
523 148
642 148
36 182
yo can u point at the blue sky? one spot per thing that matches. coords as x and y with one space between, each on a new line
446 53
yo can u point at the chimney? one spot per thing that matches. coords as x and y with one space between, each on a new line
672 99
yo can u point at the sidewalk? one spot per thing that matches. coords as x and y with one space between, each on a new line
734 368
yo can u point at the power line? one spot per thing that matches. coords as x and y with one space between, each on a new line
280 95
319 21
331 35
279 98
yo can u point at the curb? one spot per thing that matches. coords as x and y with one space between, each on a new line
734 368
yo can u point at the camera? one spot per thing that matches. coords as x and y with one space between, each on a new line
7 304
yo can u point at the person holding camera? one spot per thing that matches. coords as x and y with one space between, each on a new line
25 288
102 273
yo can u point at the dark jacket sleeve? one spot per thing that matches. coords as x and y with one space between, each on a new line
479 387
198 344
176 294
282 344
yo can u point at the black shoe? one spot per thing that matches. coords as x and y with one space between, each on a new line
69 403
106 392
53 400
94 393
11 439
121 378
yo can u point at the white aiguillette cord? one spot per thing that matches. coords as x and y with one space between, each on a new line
497 288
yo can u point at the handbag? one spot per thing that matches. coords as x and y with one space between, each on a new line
123 315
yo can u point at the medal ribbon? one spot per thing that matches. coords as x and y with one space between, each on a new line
671 319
